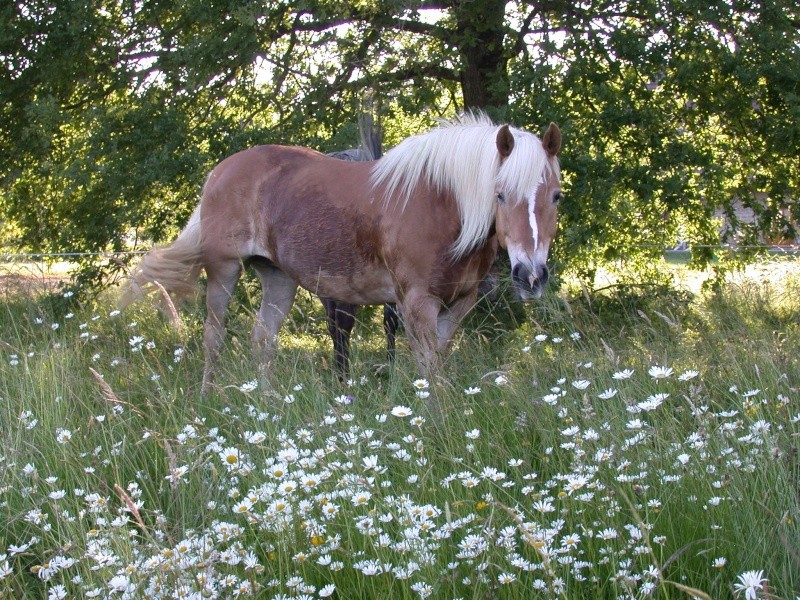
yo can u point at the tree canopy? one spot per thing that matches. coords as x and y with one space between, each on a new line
112 111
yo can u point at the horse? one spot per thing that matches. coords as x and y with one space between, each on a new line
420 227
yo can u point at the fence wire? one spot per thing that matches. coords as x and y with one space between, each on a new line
49 271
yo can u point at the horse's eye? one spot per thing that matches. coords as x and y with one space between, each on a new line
556 197
501 197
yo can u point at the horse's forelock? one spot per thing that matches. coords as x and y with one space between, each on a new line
521 173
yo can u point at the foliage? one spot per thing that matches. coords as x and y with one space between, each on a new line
628 445
673 112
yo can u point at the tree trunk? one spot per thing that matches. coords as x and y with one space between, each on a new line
484 75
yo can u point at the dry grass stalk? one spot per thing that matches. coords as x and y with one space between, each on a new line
169 306
108 393
132 508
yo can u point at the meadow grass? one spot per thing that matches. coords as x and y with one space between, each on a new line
638 443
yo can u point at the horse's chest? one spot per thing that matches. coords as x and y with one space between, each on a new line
452 281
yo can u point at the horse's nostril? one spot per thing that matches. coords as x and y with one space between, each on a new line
520 274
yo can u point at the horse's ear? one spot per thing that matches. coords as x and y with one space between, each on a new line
551 142
505 141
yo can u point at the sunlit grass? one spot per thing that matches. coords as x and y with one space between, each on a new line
619 445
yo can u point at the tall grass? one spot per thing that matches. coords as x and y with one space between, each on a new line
638 443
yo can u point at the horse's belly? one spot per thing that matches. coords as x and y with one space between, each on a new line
375 287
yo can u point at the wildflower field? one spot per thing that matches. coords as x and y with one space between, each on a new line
636 443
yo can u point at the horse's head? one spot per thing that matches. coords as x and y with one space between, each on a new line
526 218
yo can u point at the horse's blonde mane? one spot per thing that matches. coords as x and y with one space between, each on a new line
461 157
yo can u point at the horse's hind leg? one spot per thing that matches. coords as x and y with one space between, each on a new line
278 292
222 280
341 320
391 321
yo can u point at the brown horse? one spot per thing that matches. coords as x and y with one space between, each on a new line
419 227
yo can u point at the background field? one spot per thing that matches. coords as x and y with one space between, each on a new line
636 442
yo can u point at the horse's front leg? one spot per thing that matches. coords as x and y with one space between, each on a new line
450 318
421 312
221 283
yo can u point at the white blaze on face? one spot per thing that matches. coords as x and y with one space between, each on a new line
540 247
517 252
534 226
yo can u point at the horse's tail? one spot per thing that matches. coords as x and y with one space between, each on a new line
174 268
371 147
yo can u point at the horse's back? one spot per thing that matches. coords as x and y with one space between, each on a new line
312 216
274 175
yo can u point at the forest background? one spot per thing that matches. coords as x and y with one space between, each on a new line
676 115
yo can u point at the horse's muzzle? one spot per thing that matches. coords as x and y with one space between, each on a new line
528 285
